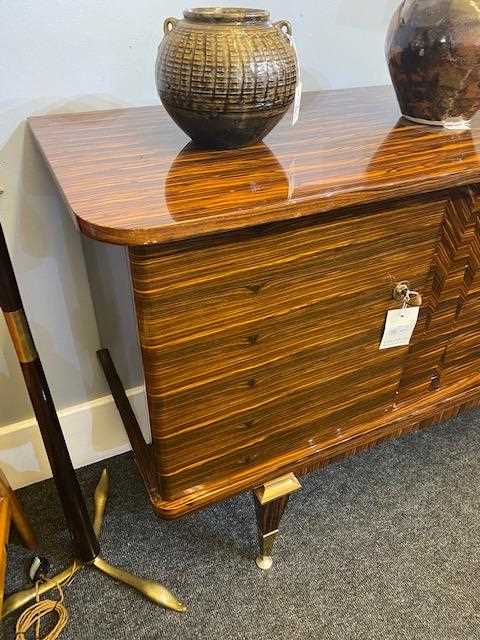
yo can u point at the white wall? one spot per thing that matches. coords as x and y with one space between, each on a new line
65 55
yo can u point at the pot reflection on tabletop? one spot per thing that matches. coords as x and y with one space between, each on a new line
254 176
442 150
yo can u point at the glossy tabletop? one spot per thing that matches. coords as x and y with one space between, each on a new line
130 177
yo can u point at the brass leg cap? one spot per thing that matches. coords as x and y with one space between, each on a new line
264 562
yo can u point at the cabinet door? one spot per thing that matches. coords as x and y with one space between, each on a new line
444 356
263 345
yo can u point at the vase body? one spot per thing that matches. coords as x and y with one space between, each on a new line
433 53
226 76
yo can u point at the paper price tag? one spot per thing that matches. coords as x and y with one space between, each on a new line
399 327
299 88
297 103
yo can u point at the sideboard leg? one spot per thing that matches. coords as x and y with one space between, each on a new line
270 502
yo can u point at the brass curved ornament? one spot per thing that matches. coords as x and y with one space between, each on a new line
151 590
169 25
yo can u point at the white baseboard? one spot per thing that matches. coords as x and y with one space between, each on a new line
93 431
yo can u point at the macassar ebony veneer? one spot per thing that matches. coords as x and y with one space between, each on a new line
262 277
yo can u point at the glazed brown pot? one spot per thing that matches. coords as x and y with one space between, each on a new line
433 52
226 76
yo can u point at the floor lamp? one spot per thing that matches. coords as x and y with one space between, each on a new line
84 533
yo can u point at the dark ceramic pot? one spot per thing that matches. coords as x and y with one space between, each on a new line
226 76
433 52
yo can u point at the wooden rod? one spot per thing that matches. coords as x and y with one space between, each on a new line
68 487
142 451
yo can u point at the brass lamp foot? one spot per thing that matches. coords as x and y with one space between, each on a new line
22 598
151 590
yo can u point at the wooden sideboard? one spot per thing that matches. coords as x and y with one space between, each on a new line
262 277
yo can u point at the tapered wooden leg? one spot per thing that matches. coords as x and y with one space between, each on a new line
270 502
5 516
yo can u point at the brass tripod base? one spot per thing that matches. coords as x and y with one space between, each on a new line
21 598
151 590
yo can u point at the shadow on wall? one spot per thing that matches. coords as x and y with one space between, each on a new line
47 254
48 259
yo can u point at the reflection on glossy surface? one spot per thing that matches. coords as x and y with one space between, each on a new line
120 173
222 180
463 141
433 52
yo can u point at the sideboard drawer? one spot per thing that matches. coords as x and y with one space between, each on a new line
327 407
332 369
183 292
189 462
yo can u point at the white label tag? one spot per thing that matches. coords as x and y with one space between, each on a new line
299 87
291 178
297 103
399 327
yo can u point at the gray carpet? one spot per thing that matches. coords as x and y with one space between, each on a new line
385 545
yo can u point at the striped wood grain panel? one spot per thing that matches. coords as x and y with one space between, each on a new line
406 418
219 412
450 332
127 178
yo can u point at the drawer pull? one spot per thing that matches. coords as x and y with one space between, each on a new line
252 383
254 288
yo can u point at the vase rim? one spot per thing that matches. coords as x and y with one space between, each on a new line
226 14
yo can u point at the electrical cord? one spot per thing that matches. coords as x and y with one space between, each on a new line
32 617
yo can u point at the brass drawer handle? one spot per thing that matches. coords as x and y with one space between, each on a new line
249 458
254 288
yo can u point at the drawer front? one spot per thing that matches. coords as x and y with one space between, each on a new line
257 343
255 275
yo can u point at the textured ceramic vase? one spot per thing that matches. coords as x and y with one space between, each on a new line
433 52
226 76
